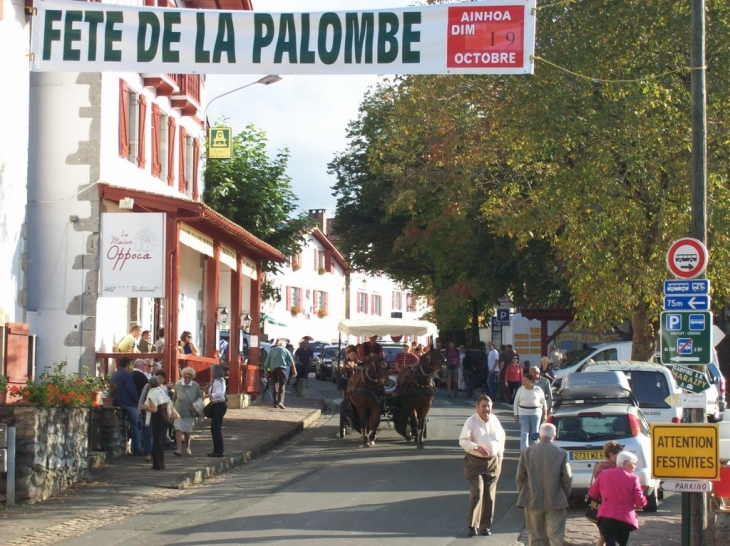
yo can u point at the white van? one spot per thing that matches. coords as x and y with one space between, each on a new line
652 385
619 350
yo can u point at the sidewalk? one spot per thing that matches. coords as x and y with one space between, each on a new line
114 490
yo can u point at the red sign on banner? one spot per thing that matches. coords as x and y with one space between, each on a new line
486 37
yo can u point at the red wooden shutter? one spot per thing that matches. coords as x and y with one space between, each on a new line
365 297
141 157
328 261
315 305
196 158
288 298
301 299
171 124
182 180
155 140
123 120
316 260
326 303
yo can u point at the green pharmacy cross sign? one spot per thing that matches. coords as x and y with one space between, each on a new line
686 337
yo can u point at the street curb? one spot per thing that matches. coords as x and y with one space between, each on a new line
225 464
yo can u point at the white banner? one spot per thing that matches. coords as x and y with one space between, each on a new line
132 255
490 37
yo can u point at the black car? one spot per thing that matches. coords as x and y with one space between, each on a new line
326 362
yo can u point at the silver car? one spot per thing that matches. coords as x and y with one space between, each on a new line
589 415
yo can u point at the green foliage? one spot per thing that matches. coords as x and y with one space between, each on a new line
253 190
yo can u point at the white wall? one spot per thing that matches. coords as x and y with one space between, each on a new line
14 35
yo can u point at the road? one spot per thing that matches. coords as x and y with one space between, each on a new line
319 488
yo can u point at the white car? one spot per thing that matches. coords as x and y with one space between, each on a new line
600 408
651 384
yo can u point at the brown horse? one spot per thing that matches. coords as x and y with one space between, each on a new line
414 394
363 392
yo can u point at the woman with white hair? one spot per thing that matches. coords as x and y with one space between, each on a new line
184 394
620 492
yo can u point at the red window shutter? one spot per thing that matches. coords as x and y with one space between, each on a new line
182 182
155 140
141 157
326 303
288 298
196 158
301 298
171 124
123 120
316 260
328 261
366 302
315 305
392 300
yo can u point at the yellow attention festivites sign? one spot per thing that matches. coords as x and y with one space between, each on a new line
487 37
685 451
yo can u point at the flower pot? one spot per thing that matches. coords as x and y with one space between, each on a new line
108 402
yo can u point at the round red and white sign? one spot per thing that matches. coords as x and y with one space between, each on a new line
687 258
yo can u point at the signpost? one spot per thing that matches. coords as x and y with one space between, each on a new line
502 317
685 451
687 486
220 143
687 258
687 303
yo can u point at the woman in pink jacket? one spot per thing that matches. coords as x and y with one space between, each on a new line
620 492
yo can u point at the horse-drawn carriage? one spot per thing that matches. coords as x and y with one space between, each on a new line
371 393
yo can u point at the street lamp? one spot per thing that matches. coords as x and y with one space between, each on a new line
223 314
266 80
246 322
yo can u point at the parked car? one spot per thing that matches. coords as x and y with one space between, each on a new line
317 347
651 384
326 362
717 379
390 351
620 350
593 409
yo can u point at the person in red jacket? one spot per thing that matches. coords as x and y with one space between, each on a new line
620 493
513 377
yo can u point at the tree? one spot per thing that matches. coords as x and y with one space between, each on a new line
254 191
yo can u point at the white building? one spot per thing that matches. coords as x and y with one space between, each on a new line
14 105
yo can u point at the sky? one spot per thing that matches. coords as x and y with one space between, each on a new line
306 114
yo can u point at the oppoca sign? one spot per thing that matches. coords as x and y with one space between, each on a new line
687 258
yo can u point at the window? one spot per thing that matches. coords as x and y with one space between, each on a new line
182 164
362 302
320 301
397 301
296 261
171 126
187 163
294 298
410 302
164 142
129 122
377 309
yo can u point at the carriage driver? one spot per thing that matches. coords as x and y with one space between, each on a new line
347 368
372 347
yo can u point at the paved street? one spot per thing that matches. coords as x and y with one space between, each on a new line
309 487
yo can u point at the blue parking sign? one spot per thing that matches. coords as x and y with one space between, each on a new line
673 321
502 316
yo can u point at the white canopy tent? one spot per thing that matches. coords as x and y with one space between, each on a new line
382 326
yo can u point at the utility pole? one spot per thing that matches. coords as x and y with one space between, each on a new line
694 505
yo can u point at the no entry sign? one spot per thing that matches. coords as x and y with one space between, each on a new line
687 258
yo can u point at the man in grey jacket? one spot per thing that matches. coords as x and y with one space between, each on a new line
543 482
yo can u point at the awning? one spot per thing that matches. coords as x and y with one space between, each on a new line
382 326
272 321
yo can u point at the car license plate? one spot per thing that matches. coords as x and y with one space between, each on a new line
585 455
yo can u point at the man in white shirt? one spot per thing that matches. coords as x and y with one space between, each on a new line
482 437
492 371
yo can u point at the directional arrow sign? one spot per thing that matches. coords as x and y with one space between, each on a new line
686 303
686 337
687 486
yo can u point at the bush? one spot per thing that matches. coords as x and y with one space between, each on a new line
59 389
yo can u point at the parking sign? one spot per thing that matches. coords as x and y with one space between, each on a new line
686 337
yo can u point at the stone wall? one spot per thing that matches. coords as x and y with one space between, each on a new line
52 446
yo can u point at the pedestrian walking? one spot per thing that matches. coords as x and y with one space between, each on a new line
546 387
483 439
126 397
505 359
513 377
184 394
278 361
156 405
451 372
620 493
544 480
529 407
610 452
217 395
492 370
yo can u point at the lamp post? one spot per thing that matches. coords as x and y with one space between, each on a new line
266 80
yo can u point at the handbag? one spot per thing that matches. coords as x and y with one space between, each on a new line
593 506
172 412
198 408
208 411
